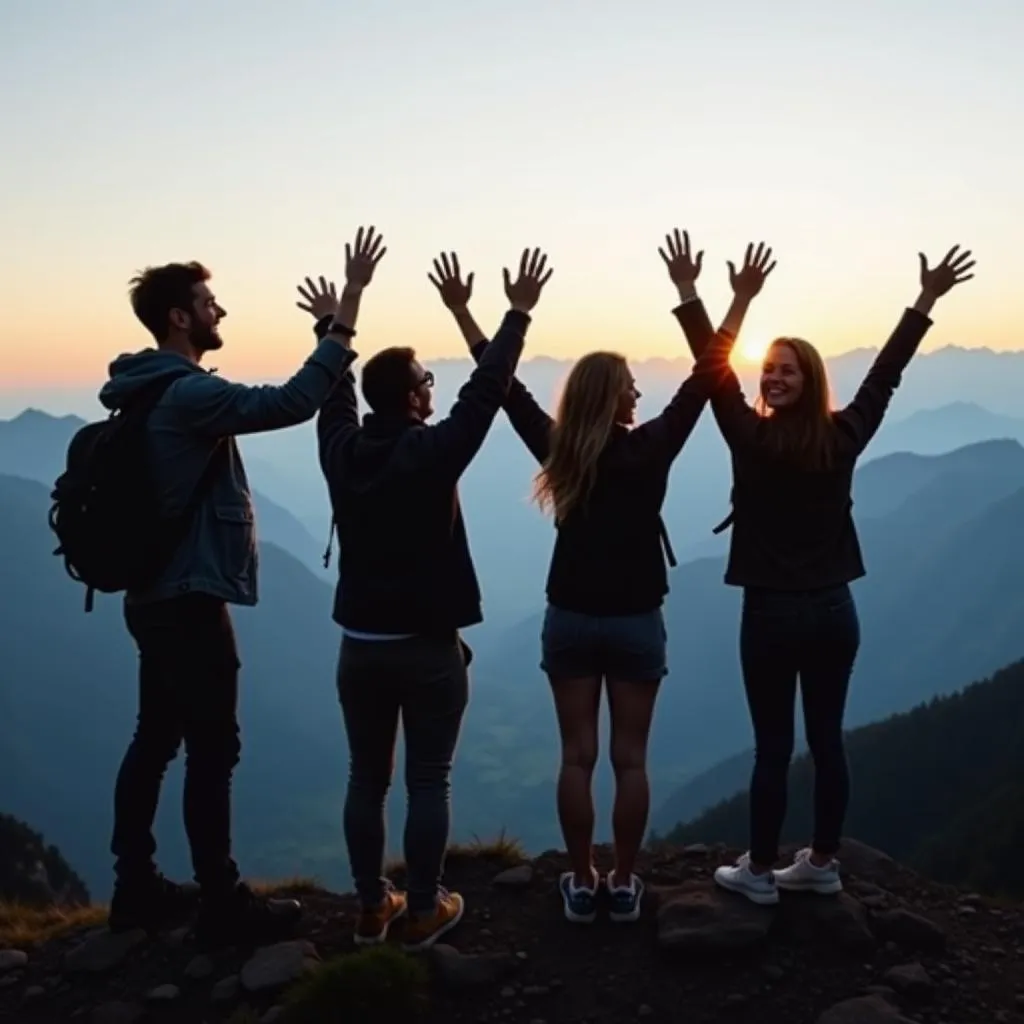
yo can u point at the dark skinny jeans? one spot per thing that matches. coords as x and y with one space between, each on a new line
813 635
423 681
188 693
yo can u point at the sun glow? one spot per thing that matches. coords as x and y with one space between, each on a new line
751 349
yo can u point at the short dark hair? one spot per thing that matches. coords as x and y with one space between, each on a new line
388 379
158 290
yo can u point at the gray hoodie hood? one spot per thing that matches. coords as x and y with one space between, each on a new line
134 370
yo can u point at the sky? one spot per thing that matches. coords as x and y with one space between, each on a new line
257 136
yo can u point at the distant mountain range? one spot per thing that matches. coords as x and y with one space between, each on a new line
941 605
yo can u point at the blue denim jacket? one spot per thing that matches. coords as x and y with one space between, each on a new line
218 556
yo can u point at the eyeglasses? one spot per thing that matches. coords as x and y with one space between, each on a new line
426 381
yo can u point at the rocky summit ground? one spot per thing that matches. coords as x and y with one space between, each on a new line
892 948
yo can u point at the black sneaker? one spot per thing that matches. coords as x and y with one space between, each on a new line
154 905
242 918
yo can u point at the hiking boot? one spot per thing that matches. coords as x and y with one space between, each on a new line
624 899
423 930
804 876
758 888
374 922
242 918
153 905
579 901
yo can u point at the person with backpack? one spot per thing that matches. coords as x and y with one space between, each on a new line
406 587
185 420
604 481
794 551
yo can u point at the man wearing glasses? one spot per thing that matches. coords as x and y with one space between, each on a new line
406 587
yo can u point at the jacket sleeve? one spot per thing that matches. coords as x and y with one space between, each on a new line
861 419
449 446
736 420
528 419
217 408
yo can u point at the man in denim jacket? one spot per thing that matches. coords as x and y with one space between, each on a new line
188 661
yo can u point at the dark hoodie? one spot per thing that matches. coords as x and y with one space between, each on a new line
404 561
218 556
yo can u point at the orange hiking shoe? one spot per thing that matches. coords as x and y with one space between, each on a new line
423 930
372 927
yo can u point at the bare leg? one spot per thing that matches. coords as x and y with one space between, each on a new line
577 705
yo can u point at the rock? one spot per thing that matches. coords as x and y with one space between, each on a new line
908 929
199 967
695 850
177 938
10 980
34 992
274 1014
276 966
102 951
116 1013
458 971
226 990
863 1010
700 916
910 980
12 960
643 1010
163 994
515 878
842 921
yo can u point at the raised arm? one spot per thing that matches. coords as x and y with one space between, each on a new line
861 419
339 415
218 408
453 442
736 420
528 419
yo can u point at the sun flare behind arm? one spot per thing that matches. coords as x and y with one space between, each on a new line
751 349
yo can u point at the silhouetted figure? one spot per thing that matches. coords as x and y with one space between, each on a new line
605 484
188 661
406 587
794 551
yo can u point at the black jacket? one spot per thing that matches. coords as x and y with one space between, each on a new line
404 560
792 529
608 557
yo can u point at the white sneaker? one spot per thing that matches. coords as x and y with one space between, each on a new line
803 876
739 878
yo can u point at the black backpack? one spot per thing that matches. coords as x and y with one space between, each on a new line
106 509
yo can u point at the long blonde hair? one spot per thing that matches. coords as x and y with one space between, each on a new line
805 432
584 422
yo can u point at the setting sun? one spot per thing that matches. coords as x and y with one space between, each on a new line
752 348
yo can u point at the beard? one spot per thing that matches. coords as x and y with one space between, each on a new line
204 338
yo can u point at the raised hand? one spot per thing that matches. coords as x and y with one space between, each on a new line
319 302
360 264
953 270
683 266
749 279
525 290
455 293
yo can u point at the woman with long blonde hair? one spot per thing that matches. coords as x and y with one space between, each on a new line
794 551
603 482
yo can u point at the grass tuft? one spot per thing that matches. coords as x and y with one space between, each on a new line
380 983
502 848
244 1015
297 886
22 926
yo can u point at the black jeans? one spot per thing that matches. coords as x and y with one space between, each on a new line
424 681
814 635
188 692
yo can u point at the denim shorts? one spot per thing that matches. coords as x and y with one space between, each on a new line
622 647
